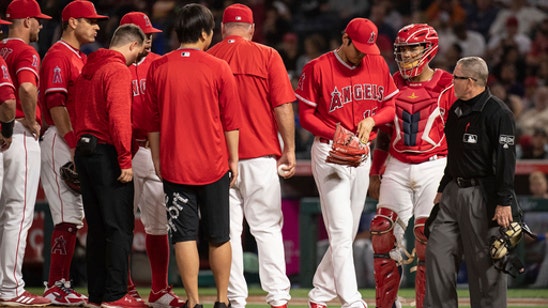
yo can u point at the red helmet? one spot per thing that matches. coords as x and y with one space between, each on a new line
414 35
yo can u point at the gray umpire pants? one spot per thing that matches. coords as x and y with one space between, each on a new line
461 227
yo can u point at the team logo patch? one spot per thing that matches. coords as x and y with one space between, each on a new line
470 138
57 75
506 141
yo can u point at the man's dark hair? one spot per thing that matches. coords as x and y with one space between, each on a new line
192 19
127 34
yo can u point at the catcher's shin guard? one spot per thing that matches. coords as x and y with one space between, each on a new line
420 250
387 275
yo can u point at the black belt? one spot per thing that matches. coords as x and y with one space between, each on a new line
142 142
464 182
323 140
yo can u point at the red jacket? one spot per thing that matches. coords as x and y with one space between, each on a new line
103 102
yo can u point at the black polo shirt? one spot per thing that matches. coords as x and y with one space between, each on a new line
481 142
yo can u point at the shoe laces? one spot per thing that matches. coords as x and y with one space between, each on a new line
66 286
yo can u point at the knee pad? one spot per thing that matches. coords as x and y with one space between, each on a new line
382 231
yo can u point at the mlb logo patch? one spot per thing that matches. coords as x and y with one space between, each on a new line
470 138
506 141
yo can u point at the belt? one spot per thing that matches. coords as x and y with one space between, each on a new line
142 142
435 157
323 140
464 183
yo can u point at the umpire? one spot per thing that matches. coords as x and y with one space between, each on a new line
476 193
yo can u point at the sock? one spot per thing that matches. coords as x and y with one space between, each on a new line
130 283
157 247
63 241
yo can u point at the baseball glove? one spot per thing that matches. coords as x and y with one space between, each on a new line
347 148
70 177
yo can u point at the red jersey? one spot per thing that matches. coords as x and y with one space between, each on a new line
193 100
102 96
263 84
140 115
346 94
417 132
7 90
21 57
61 65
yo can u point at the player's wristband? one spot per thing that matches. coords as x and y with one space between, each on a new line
70 139
379 157
7 128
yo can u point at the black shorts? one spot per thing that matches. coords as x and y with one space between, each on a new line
188 205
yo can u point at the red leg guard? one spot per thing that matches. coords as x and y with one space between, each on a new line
387 275
387 282
420 250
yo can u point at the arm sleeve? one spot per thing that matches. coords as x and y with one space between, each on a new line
308 95
118 95
151 104
7 90
27 66
503 141
281 91
229 100
387 108
55 99
27 76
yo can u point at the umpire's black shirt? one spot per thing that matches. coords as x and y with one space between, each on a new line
480 136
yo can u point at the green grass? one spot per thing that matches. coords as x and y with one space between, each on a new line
300 295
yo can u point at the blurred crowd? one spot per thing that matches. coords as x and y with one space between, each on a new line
511 34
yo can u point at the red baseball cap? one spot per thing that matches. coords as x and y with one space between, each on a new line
141 20
19 9
80 9
4 22
363 34
238 13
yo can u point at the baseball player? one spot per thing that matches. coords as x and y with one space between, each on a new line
21 162
102 125
415 145
149 191
266 95
7 111
352 86
193 134
61 66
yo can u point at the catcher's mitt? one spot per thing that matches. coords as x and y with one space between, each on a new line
70 177
347 149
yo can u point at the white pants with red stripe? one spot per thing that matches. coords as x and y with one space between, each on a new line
20 175
149 194
257 197
65 205
343 191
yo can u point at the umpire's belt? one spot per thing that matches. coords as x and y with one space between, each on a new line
464 182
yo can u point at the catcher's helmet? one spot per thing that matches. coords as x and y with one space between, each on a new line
413 35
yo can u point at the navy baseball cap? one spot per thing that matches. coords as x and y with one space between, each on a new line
363 33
